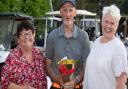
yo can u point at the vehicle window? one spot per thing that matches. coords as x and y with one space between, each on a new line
5 36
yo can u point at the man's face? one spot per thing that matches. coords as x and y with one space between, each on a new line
109 26
68 12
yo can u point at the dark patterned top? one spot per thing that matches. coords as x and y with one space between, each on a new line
19 71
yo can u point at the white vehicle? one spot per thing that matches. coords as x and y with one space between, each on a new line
48 24
51 23
79 12
92 27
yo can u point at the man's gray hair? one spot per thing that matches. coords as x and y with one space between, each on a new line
113 10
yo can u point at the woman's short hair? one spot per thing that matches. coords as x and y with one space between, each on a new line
25 25
113 10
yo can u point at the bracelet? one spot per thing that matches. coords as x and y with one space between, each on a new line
77 79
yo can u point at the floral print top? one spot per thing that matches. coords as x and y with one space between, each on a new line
17 70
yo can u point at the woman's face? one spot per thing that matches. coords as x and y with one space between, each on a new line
68 12
26 38
109 26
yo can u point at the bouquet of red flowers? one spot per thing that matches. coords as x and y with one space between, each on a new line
67 68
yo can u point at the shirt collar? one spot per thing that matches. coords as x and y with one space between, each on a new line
61 31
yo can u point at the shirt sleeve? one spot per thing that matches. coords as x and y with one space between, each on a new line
49 47
120 62
86 48
6 74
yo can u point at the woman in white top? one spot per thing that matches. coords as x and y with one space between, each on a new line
106 66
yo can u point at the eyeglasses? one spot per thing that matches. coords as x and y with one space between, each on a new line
26 34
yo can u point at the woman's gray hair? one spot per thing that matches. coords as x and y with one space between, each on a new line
113 10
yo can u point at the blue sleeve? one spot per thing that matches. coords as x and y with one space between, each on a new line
49 48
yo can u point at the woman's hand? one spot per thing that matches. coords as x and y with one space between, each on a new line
29 87
15 86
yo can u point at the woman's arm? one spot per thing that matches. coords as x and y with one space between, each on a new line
121 81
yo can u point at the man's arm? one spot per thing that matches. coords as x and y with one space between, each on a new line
49 54
81 76
51 74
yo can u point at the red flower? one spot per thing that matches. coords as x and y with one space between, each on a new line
63 69
71 71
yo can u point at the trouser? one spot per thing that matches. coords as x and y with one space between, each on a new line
57 86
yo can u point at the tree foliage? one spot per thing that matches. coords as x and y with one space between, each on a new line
39 7
124 7
31 7
35 8
94 5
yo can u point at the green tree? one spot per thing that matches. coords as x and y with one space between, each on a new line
94 5
31 7
124 7
35 8
9 5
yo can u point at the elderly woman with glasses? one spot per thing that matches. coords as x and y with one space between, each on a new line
24 67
